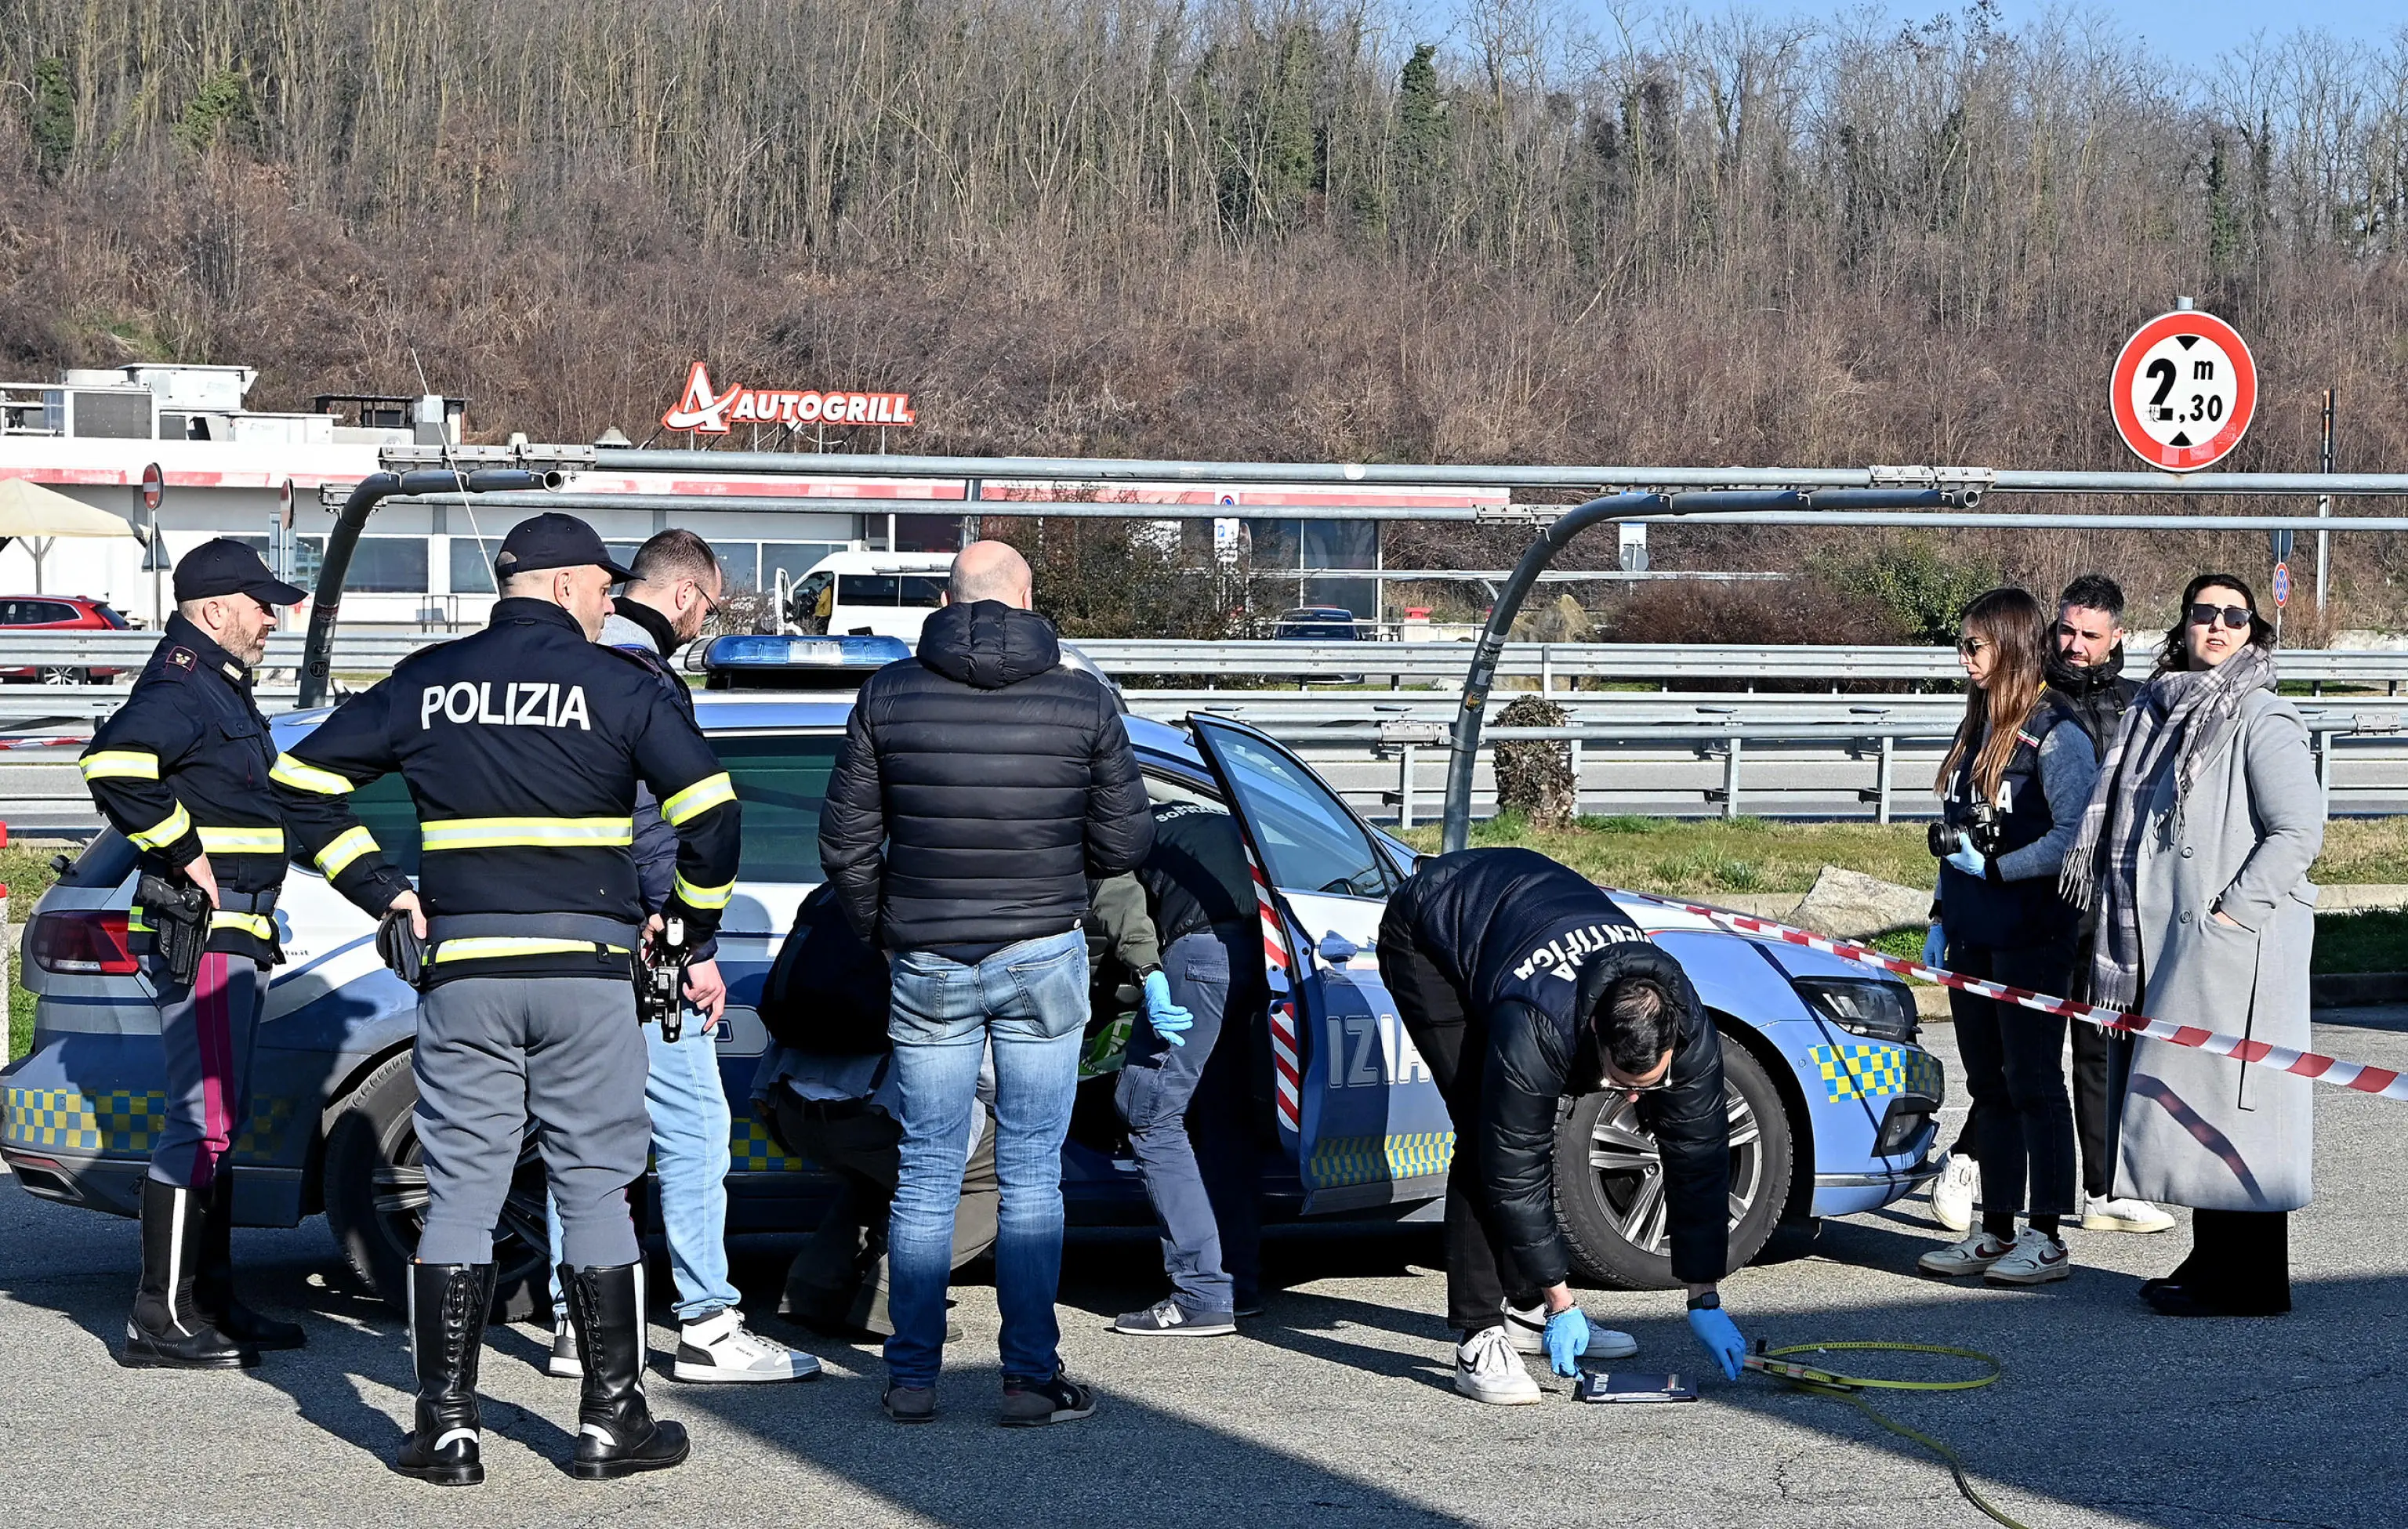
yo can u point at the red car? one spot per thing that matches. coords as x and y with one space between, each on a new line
56 613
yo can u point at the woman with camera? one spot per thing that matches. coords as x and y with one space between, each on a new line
2012 791
2194 853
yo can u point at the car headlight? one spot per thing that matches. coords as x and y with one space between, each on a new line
1878 1010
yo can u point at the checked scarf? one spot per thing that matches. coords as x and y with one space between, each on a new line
2181 719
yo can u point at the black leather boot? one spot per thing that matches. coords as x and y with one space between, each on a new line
166 1330
615 1431
448 1303
214 1289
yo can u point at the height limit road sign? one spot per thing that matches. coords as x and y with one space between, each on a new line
2184 389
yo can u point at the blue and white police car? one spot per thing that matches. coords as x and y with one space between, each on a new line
1832 1101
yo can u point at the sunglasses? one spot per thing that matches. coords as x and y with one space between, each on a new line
1972 646
2236 617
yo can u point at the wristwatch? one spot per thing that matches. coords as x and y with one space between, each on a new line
1147 970
1711 1301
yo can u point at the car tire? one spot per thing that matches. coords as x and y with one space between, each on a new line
1607 1180
55 673
376 1197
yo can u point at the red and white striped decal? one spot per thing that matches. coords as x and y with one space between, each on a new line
2383 1082
1286 1062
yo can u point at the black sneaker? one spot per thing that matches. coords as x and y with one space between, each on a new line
1033 1404
910 1404
1168 1318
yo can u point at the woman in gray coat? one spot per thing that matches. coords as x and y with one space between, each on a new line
2195 852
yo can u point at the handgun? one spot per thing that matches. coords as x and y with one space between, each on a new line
180 925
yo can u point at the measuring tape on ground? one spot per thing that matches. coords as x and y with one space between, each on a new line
2382 1082
1776 1364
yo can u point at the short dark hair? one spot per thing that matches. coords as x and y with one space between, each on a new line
2094 592
674 554
1634 1024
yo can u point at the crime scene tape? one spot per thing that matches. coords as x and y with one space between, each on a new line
1776 1364
2383 1082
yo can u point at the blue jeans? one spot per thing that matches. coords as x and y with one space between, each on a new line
688 1104
1154 1092
1029 1001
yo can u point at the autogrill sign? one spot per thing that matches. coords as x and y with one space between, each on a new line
706 411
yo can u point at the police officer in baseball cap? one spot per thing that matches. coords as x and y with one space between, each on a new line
522 746
181 771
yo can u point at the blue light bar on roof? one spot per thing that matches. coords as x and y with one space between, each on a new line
745 650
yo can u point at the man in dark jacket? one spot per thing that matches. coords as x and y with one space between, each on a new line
1521 982
981 786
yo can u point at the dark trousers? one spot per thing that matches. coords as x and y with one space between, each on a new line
839 1281
2014 1057
2093 1054
1454 1039
1155 1095
2240 1260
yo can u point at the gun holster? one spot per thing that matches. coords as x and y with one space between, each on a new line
660 980
401 948
180 925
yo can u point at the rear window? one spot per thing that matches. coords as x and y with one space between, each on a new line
108 614
782 782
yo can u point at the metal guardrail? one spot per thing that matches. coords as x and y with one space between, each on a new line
373 652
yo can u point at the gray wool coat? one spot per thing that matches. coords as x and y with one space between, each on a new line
2205 1131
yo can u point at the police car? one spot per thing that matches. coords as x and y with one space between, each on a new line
1832 1101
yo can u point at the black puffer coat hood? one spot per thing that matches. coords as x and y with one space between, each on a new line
988 645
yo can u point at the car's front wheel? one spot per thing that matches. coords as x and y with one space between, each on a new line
1610 1200
57 674
376 1196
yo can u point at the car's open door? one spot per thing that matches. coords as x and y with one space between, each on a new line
1355 1102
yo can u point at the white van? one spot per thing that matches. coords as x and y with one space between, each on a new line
848 594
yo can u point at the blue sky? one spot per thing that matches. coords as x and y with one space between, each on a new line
2190 32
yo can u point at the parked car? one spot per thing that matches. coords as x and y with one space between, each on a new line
1321 623
1832 1101
58 613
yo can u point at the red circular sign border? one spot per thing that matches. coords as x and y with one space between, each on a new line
155 486
2128 361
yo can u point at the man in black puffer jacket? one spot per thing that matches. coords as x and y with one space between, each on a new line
981 786
1522 984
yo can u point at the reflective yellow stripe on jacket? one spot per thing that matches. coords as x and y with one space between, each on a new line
695 896
242 841
494 947
527 833
119 765
166 831
290 771
346 847
710 791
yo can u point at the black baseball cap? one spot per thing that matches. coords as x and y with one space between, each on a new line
554 540
226 566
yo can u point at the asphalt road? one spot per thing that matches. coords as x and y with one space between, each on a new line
1334 1408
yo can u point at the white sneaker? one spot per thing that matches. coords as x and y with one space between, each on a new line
720 1350
1527 1331
563 1363
1974 1255
1953 1191
2126 1215
1487 1369
2036 1259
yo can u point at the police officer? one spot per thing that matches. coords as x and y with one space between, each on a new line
181 771
1521 982
522 746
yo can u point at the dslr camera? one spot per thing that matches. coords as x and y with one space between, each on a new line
1984 827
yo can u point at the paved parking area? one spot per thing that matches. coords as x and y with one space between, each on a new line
1334 1408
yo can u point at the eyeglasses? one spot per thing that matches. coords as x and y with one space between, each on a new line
710 605
1972 646
2236 617
1617 1085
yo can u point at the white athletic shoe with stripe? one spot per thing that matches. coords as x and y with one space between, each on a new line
1487 1369
720 1351
1528 1331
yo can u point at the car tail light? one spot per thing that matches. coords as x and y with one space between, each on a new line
84 941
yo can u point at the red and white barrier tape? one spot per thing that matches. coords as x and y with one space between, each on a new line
2383 1082
43 743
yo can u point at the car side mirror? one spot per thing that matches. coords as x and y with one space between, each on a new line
1337 949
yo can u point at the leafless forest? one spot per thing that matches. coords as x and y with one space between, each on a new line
1234 228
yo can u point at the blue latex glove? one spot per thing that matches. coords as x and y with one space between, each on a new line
1968 859
1166 1018
1935 949
1567 1339
1719 1337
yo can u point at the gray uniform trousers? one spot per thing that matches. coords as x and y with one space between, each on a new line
206 1027
493 1052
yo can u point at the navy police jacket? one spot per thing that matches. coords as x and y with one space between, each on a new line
181 770
1530 947
522 746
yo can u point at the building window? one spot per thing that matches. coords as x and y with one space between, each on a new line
381 565
471 573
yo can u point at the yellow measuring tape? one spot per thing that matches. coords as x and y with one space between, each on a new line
1849 1388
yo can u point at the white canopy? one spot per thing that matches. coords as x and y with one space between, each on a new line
29 510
